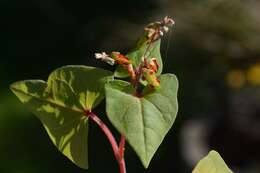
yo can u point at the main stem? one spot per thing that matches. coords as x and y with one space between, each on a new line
118 151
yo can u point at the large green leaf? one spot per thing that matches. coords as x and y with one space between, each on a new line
143 121
152 51
60 102
212 163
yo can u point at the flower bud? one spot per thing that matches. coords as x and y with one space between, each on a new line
152 64
131 71
120 59
151 78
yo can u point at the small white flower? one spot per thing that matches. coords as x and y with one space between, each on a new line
165 29
100 55
157 29
104 57
168 21
161 33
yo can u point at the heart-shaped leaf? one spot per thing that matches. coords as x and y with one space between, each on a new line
212 163
60 102
151 51
143 121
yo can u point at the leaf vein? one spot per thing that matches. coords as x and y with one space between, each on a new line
49 101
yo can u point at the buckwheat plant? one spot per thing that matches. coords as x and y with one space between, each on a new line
141 103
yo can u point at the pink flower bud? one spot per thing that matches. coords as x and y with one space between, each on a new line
120 59
152 64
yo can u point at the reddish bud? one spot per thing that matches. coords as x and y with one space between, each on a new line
120 59
131 71
151 78
152 64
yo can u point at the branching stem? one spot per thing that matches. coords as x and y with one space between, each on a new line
118 151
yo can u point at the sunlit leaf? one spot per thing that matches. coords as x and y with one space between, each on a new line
60 102
212 163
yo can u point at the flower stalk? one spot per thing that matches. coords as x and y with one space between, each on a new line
141 75
118 150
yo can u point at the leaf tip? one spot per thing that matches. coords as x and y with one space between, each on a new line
146 163
14 87
214 152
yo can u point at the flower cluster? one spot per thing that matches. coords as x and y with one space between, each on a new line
145 72
149 70
120 59
157 29
126 63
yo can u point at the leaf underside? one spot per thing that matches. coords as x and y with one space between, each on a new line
143 121
212 163
60 102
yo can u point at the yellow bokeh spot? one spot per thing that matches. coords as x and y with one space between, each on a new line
236 79
253 74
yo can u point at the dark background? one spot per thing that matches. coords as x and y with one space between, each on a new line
213 49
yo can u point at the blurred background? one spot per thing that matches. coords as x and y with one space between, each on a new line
213 49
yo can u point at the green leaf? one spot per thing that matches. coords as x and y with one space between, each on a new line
212 163
60 102
143 121
136 57
87 82
120 72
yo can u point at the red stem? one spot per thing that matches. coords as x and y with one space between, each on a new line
118 151
122 146
122 166
121 154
